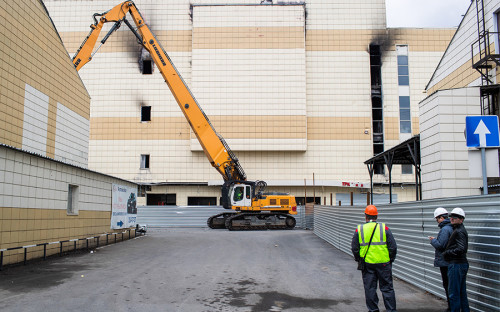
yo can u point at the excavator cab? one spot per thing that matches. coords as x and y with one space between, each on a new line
241 195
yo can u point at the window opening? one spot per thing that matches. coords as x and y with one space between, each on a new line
145 161
145 113
407 169
72 205
161 199
404 91
377 105
202 201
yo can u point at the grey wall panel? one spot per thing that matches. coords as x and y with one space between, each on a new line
411 224
193 216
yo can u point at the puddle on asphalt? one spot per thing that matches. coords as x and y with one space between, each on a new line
275 301
242 296
37 276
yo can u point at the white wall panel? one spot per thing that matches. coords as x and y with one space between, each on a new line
72 137
36 112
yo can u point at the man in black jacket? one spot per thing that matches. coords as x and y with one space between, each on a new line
439 243
455 254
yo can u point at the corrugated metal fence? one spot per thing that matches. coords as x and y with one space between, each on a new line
411 224
196 216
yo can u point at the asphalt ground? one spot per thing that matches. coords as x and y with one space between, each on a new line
201 270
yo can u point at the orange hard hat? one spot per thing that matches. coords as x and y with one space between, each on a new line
371 210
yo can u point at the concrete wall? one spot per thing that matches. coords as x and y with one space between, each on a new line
34 201
455 69
287 86
444 153
44 107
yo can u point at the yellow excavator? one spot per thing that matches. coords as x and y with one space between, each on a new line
252 209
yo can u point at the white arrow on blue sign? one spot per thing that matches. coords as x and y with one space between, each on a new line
482 131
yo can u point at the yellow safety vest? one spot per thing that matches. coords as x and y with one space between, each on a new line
378 252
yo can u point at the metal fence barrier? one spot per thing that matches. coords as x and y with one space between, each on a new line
195 216
412 223
73 241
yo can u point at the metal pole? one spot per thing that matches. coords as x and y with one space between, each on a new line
483 164
305 192
314 190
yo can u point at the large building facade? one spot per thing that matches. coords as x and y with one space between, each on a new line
465 83
303 92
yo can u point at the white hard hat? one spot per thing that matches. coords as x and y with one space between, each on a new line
440 211
458 211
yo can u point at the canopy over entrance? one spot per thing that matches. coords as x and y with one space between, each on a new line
405 153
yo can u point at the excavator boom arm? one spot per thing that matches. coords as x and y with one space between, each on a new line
214 146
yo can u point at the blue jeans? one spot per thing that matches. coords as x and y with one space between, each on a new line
457 291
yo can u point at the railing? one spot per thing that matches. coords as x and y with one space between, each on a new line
61 244
195 216
411 223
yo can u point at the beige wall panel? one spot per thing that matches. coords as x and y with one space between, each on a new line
176 128
391 129
39 61
249 38
420 40
34 196
462 76
124 41
160 128
338 128
415 126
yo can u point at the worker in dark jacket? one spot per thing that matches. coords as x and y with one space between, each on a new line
378 256
439 243
455 254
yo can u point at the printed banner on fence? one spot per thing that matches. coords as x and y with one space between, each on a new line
123 207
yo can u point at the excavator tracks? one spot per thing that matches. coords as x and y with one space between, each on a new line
234 221
219 221
260 221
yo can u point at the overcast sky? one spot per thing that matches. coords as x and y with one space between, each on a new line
425 13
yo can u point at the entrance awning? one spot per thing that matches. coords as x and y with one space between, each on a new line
405 153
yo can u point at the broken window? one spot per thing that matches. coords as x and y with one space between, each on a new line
145 113
145 62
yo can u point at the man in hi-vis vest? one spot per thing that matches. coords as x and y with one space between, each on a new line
374 242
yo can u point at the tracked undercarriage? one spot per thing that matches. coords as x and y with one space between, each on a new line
245 221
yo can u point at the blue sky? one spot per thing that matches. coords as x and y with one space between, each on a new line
425 13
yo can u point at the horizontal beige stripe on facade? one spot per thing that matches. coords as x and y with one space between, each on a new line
338 128
249 38
460 77
243 127
125 41
419 40
176 128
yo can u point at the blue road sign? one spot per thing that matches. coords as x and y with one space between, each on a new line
482 131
